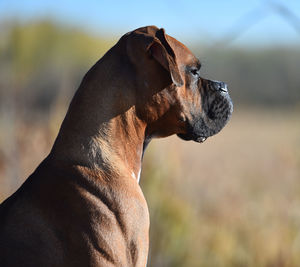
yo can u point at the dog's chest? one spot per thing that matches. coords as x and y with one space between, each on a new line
117 218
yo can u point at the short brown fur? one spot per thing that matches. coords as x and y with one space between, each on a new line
83 205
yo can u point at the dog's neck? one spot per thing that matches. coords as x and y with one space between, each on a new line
101 132
113 146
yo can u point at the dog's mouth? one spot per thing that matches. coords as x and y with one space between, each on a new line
200 139
189 137
217 110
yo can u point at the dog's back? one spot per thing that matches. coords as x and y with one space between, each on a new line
25 235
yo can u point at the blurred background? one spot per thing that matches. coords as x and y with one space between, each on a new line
232 201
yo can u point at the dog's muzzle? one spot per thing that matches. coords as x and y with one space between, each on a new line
220 86
217 108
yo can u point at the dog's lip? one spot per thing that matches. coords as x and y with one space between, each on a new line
200 139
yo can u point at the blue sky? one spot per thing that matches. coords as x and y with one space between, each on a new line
205 21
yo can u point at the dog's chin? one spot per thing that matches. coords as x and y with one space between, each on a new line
217 112
190 137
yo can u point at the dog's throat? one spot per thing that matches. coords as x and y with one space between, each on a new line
145 144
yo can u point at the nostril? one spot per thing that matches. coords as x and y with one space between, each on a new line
223 87
219 86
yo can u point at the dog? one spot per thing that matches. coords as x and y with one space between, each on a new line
83 205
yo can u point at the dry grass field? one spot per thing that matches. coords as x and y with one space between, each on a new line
231 201
236 198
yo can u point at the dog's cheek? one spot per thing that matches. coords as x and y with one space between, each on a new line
197 107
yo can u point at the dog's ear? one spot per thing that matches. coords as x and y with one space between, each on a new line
148 49
163 53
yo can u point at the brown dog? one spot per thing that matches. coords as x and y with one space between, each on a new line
83 205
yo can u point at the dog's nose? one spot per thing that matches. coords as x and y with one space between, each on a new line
220 86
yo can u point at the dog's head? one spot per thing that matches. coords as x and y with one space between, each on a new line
175 99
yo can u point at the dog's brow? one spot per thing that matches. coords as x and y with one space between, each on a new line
198 64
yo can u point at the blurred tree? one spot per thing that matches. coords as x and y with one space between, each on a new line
43 58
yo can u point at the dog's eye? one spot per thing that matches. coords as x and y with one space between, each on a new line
195 72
